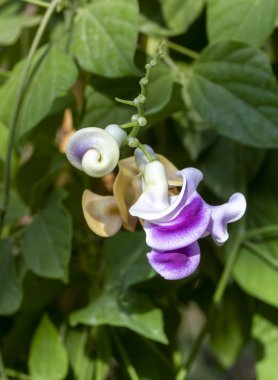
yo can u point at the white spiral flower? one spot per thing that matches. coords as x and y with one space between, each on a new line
94 150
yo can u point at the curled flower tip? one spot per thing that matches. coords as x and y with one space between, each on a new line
94 151
229 212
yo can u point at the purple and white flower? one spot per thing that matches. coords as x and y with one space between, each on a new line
174 223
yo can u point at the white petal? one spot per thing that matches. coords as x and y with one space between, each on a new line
140 158
117 132
229 212
147 209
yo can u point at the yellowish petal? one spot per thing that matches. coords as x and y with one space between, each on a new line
127 190
171 170
101 213
65 131
127 186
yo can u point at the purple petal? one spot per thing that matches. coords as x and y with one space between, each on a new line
176 264
224 214
187 226
145 207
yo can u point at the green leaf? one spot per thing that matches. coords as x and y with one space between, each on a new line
17 208
256 269
160 88
48 358
221 169
39 293
101 110
46 241
180 14
11 27
266 335
250 21
234 90
42 164
256 275
229 330
134 311
4 133
80 353
89 352
51 76
126 254
117 304
177 14
10 286
105 35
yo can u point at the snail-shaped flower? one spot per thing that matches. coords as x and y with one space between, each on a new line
94 150
106 214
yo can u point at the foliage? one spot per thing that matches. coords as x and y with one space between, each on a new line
75 306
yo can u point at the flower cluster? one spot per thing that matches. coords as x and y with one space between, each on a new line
148 189
174 223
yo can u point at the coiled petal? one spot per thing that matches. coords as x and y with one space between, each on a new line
94 151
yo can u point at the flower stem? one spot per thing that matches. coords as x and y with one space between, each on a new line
261 231
144 82
159 354
262 254
183 50
3 372
128 125
218 294
15 112
127 102
17 375
40 3
146 153
223 282
196 347
233 247
129 367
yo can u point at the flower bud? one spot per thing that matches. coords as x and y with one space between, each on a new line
133 142
142 121
140 158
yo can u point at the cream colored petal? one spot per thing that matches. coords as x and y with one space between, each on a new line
171 170
65 131
101 213
127 190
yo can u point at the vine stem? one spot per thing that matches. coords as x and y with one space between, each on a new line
15 112
128 125
239 234
159 354
2 367
38 3
124 101
146 153
261 254
261 231
17 375
183 50
224 279
129 367
216 299
144 82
